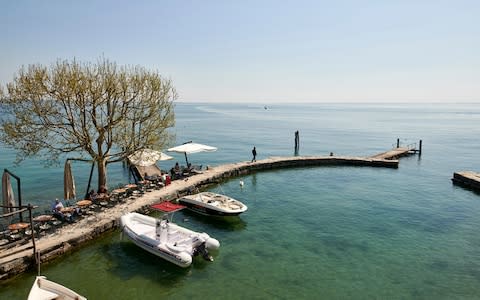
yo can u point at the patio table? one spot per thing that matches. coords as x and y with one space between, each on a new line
43 218
18 226
83 203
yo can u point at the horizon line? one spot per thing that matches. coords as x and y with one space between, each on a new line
260 102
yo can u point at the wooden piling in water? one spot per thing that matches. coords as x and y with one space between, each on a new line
297 143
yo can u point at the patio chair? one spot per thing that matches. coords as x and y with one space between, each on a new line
4 232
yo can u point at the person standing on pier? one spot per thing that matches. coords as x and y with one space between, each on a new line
254 153
297 142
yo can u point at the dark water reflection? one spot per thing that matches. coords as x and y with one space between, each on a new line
234 223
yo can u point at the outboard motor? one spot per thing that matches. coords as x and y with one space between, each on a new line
201 249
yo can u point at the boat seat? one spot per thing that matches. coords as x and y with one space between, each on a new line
186 244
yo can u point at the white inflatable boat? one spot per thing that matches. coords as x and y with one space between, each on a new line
167 240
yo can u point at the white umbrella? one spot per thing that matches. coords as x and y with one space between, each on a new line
147 157
7 193
68 182
190 147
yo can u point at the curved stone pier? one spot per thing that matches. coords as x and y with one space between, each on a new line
20 259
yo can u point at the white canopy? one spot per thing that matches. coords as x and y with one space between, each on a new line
147 157
190 147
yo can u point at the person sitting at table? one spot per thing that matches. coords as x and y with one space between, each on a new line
92 195
188 170
57 212
58 205
176 171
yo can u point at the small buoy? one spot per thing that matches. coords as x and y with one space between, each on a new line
241 183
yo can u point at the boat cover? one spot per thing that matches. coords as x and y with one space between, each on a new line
167 206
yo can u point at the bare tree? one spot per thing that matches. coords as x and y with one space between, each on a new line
99 111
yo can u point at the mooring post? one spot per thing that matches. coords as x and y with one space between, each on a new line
420 147
30 207
398 143
297 142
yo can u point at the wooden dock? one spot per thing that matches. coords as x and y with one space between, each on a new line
467 179
395 153
19 259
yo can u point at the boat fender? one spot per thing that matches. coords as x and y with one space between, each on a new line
212 243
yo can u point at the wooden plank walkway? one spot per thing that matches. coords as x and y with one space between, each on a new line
395 153
19 259
467 179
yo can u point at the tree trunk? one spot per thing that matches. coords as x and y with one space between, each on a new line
102 173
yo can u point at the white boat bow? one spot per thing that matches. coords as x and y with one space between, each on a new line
44 289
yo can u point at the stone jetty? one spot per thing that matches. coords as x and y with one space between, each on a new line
19 259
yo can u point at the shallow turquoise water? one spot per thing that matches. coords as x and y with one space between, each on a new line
329 233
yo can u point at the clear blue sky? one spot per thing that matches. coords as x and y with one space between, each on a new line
263 51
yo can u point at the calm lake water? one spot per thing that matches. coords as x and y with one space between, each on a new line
309 233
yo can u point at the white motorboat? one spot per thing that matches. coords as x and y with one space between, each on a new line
167 240
213 204
44 289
